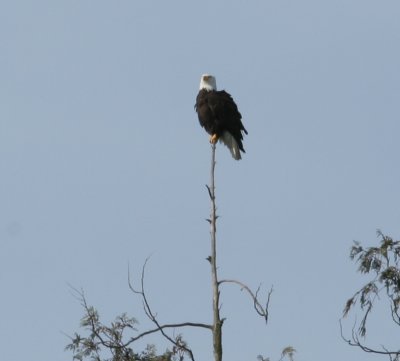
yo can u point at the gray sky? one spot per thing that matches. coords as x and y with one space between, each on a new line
103 163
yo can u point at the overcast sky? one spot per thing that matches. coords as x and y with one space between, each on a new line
103 163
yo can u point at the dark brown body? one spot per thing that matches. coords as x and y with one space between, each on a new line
218 113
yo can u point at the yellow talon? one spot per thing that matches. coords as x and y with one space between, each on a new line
214 139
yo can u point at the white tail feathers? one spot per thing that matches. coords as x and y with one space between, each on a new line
231 143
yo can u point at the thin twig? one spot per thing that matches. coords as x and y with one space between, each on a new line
153 318
267 304
355 341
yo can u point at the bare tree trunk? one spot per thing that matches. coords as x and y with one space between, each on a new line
217 323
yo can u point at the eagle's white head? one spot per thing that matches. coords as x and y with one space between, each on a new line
208 82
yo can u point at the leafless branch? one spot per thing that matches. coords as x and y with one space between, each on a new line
262 311
267 304
171 325
355 342
177 342
395 314
209 191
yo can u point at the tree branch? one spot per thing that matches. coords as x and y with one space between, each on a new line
395 314
355 342
263 312
171 325
80 296
160 328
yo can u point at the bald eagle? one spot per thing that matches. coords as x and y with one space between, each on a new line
219 116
